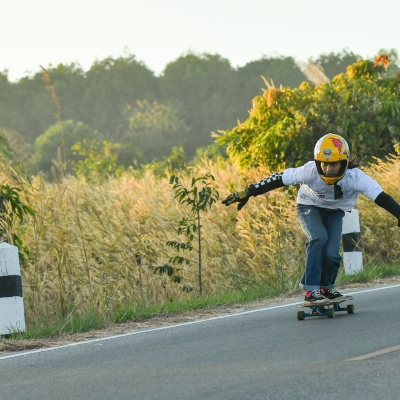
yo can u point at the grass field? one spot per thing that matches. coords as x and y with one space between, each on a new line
89 252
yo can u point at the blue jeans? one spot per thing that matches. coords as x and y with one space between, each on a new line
323 230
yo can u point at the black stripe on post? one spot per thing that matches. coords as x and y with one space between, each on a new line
351 241
10 286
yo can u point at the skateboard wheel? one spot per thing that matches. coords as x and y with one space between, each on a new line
330 313
301 315
350 308
321 308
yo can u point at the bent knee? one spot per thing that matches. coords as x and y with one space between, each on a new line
319 241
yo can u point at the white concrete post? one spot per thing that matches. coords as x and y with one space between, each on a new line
11 302
351 241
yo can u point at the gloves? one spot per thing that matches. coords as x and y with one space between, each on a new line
398 222
237 197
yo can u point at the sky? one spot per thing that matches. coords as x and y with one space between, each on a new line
46 33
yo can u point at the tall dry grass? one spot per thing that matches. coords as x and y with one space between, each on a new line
92 247
380 234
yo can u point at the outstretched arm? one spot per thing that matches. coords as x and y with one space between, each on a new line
272 182
389 204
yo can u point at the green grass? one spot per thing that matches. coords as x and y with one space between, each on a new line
144 312
369 273
71 324
132 312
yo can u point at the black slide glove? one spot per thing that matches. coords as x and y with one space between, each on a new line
271 182
237 197
398 222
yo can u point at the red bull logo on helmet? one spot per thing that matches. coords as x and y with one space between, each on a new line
339 145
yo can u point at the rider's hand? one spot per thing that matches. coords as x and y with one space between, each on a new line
237 197
398 222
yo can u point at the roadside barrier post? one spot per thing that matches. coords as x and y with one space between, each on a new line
11 302
351 242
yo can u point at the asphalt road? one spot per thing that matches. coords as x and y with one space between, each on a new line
260 354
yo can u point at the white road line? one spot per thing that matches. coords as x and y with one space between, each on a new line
26 353
374 354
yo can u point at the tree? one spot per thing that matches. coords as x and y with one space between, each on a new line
172 164
394 67
97 160
30 109
12 206
96 97
200 198
282 71
362 105
47 144
110 85
202 87
154 129
336 63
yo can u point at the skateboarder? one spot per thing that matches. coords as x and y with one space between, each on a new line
330 186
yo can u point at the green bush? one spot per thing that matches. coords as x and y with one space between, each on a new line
362 105
47 144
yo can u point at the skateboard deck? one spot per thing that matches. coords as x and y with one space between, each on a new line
331 302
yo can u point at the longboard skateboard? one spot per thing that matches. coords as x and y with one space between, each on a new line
327 309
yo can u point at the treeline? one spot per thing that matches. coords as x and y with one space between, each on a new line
121 105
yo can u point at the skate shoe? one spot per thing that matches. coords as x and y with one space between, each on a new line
316 298
333 294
